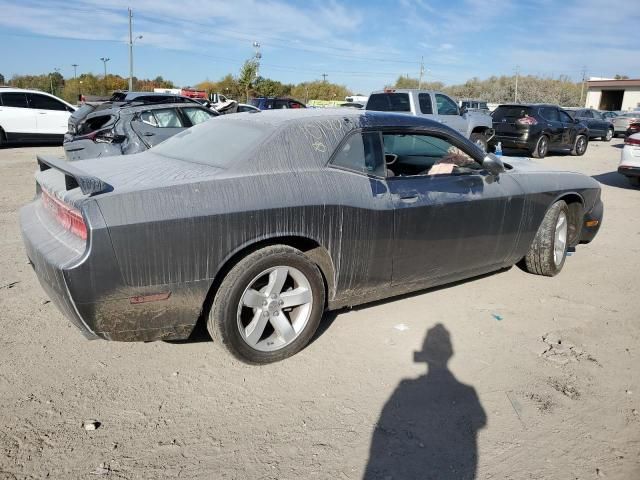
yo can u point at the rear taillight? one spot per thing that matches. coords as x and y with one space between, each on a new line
527 120
70 218
632 141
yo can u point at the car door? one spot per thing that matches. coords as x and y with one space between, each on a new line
52 116
449 114
447 224
16 118
601 124
569 128
156 125
554 127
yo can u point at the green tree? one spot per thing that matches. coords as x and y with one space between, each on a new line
621 77
1 79
319 90
247 76
267 87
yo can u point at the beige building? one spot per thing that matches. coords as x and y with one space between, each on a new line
607 94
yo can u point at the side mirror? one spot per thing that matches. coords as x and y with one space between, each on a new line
493 164
463 110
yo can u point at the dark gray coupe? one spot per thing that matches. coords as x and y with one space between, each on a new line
257 224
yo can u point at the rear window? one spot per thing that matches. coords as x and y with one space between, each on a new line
218 143
14 99
511 112
94 123
389 102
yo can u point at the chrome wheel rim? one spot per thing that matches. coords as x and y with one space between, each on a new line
581 145
542 148
274 308
609 134
560 239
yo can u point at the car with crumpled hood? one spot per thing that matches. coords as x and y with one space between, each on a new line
131 128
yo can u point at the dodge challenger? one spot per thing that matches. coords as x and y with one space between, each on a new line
258 224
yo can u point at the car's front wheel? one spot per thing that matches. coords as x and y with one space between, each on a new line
548 251
268 306
542 147
608 136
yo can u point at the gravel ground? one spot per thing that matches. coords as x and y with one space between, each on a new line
542 380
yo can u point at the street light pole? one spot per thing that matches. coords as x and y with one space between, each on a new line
131 41
75 78
104 61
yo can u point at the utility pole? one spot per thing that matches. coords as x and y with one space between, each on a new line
104 61
584 73
324 78
130 51
257 57
517 78
75 77
421 72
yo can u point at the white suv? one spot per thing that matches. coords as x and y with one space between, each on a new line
31 115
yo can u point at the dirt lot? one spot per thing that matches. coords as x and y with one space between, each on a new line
544 381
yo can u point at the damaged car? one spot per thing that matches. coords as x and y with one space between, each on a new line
255 225
131 128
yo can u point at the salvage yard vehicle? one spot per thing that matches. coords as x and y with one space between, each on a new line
599 127
475 125
622 122
131 129
257 224
630 159
539 128
276 103
32 116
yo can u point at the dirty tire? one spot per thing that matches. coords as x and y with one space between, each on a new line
580 145
635 181
222 322
540 259
480 140
2 141
542 147
608 136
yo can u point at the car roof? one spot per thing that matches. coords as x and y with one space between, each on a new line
407 90
127 108
7 89
528 105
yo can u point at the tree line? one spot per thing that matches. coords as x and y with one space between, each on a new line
531 89
248 83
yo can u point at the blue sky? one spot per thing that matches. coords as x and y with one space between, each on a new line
362 44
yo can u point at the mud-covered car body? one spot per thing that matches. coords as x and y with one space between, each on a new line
133 247
128 129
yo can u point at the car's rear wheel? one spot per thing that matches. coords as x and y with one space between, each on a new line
635 181
580 145
2 138
268 306
542 147
608 136
548 251
480 140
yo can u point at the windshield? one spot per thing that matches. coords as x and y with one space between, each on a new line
511 112
218 143
389 102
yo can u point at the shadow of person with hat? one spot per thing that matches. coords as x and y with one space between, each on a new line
428 429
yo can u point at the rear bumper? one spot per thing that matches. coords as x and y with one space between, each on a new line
84 281
592 222
524 141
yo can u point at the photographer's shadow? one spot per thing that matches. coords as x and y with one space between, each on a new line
428 428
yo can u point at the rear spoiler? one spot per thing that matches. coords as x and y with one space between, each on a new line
73 177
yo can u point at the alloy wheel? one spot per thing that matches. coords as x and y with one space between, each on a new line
542 147
274 308
560 239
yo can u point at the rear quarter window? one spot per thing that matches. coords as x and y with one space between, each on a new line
95 123
511 112
389 102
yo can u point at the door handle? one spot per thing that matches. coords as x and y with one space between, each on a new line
148 134
409 197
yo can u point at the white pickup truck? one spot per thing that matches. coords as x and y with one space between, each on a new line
476 126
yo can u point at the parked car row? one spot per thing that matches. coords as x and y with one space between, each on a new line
630 159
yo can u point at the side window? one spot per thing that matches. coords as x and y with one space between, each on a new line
549 114
42 102
424 99
148 118
446 106
281 104
361 153
564 117
197 115
417 154
167 118
597 115
585 114
14 99
294 104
